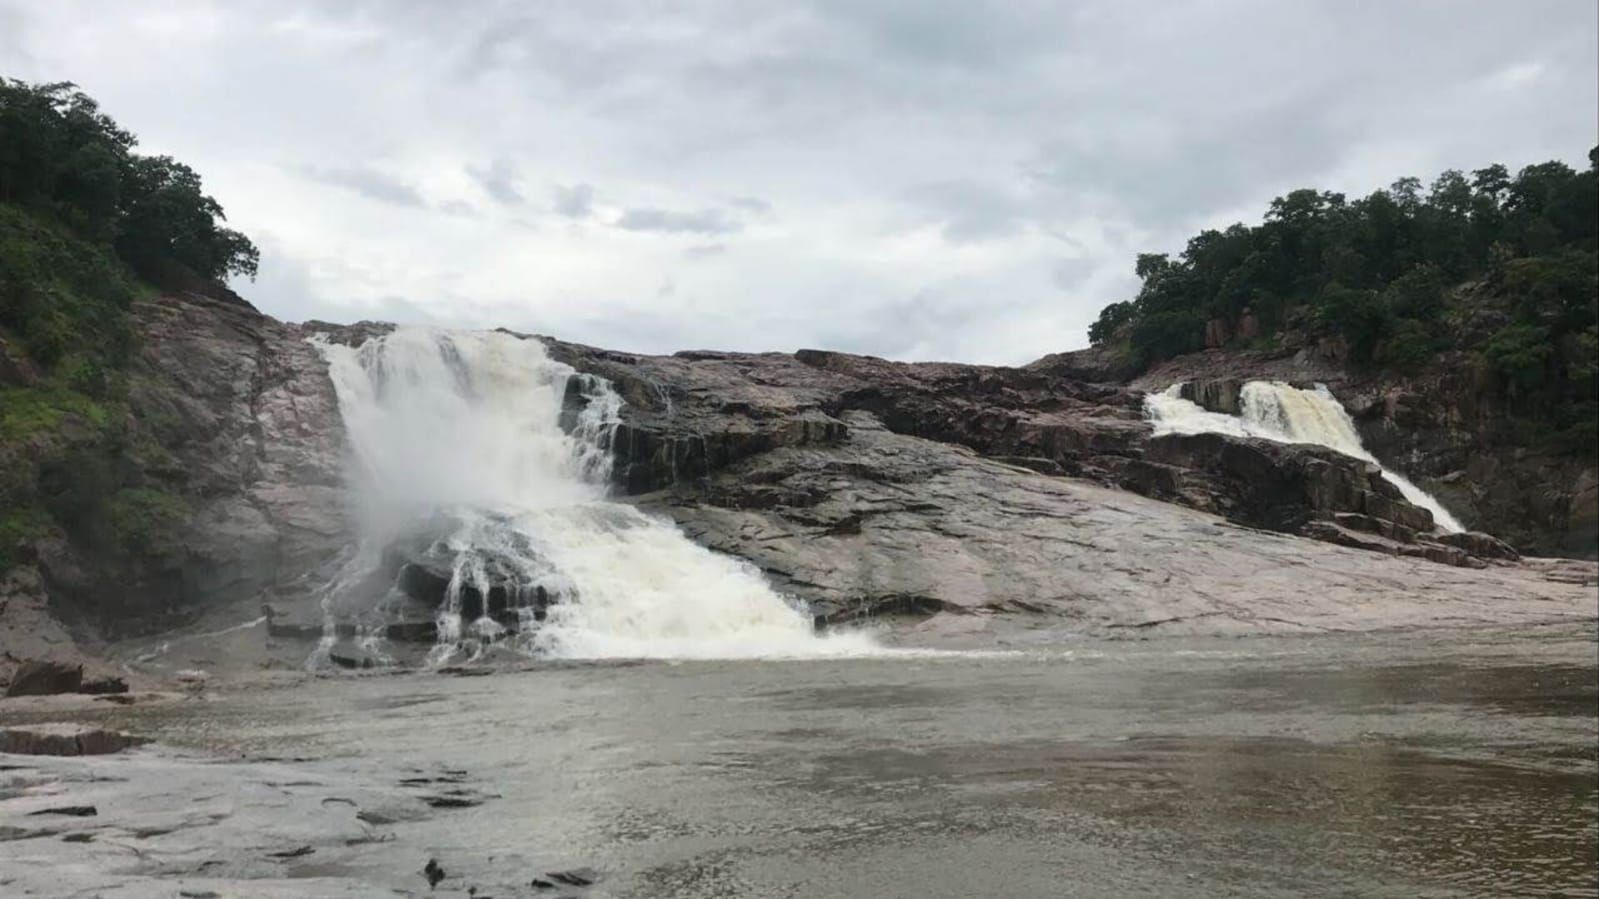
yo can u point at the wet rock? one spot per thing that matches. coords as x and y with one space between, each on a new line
64 739
100 686
353 657
1483 546
1222 395
42 677
286 624
576 877
76 811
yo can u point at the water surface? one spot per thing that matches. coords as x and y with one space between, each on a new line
1439 764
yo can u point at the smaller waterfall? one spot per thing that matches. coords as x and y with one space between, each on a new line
1276 411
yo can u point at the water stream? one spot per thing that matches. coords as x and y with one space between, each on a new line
1276 411
457 436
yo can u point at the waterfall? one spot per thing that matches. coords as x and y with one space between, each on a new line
1276 411
457 436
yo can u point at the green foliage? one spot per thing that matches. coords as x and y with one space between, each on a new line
61 158
62 296
19 525
30 412
1519 353
1383 273
145 521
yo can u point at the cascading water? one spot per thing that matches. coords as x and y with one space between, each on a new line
457 435
1276 411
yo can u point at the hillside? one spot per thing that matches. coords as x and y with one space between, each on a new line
1460 323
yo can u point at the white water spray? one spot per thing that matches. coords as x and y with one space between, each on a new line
464 428
1276 411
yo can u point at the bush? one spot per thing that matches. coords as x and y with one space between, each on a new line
1519 354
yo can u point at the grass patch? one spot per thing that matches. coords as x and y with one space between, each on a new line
144 520
26 412
19 525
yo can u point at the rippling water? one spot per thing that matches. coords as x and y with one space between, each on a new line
1402 765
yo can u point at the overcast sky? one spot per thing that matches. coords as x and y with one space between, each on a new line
925 179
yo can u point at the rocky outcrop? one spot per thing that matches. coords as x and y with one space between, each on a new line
866 487
220 481
64 739
44 678
1271 485
1441 427
920 490
690 415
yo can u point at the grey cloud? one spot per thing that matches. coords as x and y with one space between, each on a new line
701 221
970 210
498 180
369 183
284 287
574 202
1124 125
705 250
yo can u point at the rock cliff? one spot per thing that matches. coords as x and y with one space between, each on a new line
1441 428
973 500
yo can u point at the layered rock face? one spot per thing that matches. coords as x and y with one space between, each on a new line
863 486
233 423
1440 427
690 415
871 487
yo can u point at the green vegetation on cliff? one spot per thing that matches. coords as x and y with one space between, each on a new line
87 225
1503 269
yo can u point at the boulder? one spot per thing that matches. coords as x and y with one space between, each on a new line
44 678
1222 395
350 656
64 739
103 685
1483 546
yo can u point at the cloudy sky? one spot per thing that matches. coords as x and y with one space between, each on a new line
910 178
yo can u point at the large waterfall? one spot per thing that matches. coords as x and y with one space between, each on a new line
457 436
1277 411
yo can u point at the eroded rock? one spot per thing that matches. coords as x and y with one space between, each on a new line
64 739
44 677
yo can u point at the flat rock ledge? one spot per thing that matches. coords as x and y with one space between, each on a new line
64 739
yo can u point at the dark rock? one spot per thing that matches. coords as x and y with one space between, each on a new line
1483 546
45 678
76 811
64 739
576 877
353 657
1222 395
297 852
454 800
434 872
107 684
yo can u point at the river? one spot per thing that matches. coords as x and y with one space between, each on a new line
1447 763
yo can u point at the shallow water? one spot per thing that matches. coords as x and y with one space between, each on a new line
1437 764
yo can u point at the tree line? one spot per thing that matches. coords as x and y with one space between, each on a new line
1504 268
78 205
